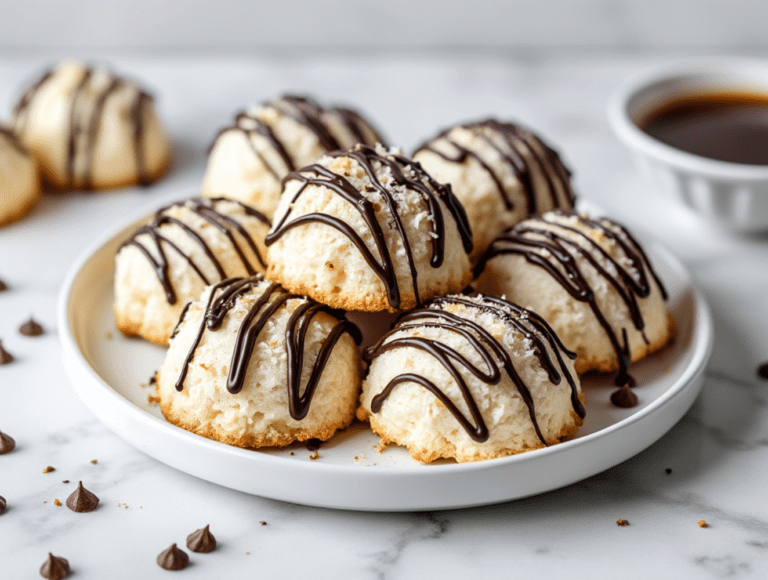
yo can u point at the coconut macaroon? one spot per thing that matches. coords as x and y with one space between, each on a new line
471 378
249 159
90 129
167 263
252 365
501 173
590 279
368 230
19 179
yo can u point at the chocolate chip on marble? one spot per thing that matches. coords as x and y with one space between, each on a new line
5 356
81 500
55 568
3 286
201 541
2 505
31 328
7 443
173 559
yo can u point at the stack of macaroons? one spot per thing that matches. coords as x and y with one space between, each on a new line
271 358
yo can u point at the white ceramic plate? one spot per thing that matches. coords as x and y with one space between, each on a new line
111 373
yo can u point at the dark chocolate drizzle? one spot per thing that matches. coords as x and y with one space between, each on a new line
490 350
520 155
223 298
556 253
308 114
84 129
155 249
11 138
416 180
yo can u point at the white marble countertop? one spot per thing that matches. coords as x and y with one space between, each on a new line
718 453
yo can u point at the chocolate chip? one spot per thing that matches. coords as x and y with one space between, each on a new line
624 397
3 286
313 444
55 568
201 541
5 356
81 500
7 444
173 559
31 328
2 505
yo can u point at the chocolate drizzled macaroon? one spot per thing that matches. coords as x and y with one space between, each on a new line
471 378
19 180
501 173
168 262
368 230
590 279
253 365
90 129
249 159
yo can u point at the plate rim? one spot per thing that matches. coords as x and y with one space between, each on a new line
701 349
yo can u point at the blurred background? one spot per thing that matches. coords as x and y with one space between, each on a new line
413 67
396 24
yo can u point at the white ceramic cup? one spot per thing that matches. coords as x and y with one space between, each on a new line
732 195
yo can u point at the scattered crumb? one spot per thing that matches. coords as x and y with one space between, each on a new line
291 452
94 461
263 523
702 524
153 399
668 470
123 505
49 469
65 481
109 336
247 553
622 522
46 501
56 502
315 455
